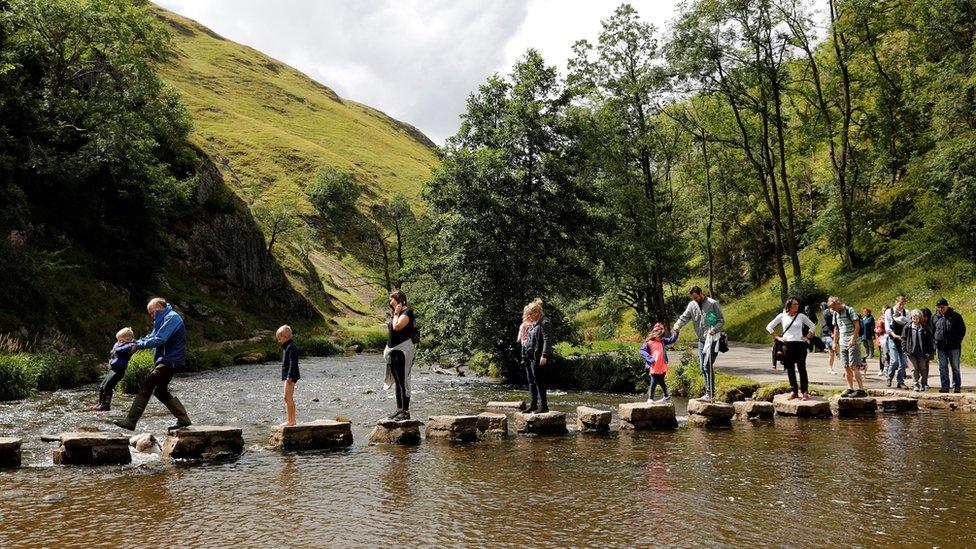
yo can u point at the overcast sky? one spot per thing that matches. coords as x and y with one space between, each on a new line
416 60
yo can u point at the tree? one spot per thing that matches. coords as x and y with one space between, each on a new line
281 211
334 194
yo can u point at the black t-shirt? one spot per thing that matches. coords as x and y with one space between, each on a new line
395 337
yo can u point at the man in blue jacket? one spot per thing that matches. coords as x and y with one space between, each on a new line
168 342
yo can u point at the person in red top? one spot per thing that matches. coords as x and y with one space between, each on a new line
655 356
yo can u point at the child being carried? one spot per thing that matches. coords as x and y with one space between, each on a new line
118 361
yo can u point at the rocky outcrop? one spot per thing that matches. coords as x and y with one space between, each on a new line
9 452
642 416
452 428
93 448
548 423
592 420
753 409
313 435
709 413
853 407
492 426
204 442
388 431
815 407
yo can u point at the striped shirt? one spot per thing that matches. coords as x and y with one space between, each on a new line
844 320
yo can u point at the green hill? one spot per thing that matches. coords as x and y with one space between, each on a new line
268 126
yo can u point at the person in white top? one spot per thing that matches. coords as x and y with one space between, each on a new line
791 348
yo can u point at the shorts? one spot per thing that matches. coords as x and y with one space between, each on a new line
828 342
850 357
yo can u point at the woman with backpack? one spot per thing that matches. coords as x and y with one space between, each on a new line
535 335
790 348
400 345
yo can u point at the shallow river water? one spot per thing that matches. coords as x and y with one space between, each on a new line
890 481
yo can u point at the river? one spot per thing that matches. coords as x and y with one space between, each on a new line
893 480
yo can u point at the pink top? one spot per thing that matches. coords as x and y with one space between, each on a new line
658 364
523 332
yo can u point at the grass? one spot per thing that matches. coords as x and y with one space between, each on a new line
23 374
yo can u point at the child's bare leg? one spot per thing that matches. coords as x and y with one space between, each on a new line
290 403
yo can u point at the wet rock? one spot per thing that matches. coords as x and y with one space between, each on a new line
849 407
592 420
144 442
753 409
500 405
492 426
313 435
927 401
204 442
9 452
549 423
93 448
641 416
709 413
453 428
815 407
388 431
891 404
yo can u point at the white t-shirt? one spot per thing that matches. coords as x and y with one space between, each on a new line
795 333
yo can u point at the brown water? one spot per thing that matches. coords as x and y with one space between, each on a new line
894 480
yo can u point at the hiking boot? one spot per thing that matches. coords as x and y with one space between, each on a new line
135 412
176 408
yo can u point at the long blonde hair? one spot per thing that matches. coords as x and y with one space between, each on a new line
532 309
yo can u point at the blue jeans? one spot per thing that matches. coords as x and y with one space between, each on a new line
896 361
950 358
703 362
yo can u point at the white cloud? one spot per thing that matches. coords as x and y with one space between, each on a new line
416 60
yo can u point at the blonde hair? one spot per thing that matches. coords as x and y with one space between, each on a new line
658 331
533 309
284 331
125 334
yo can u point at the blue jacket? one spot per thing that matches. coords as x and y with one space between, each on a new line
665 341
289 361
167 338
118 361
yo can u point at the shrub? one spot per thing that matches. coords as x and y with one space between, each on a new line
16 379
53 372
319 346
139 367
333 193
620 372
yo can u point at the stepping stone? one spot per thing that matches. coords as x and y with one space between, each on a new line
927 401
710 413
9 452
753 409
93 448
452 428
513 405
313 435
492 426
852 407
644 416
204 442
548 423
815 407
897 404
592 420
388 431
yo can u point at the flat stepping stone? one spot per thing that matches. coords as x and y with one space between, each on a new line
709 413
452 428
815 407
645 416
853 406
592 420
548 423
10 452
753 409
92 448
492 426
929 400
512 405
892 404
320 434
204 442
388 431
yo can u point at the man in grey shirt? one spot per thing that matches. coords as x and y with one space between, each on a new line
705 316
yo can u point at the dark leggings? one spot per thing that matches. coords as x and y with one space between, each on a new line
105 390
657 379
157 382
795 358
537 387
398 366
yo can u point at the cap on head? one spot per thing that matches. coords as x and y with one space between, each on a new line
942 302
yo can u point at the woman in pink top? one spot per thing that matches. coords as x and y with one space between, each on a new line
656 357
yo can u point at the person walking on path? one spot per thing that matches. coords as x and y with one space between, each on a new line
895 320
918 345
168 342
827 335
791 323
399 351
867 333
536 353
847 328
705 316
948 329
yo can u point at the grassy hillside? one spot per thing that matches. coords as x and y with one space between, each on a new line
267 125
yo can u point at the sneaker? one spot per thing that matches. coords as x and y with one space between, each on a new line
666 399
405 415
531 409
889 383
806 396
847 393
792 396
925 388
943 390
860 393
544 409
902 386
706 397
916 387
957 390
881 373
832 372
394 415
650 400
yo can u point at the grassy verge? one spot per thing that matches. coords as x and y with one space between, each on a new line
23 374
